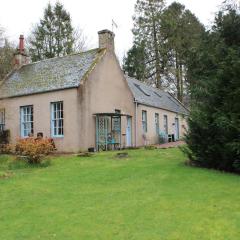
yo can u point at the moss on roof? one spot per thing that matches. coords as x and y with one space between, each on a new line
50 74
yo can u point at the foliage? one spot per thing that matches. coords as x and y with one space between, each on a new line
134 62
7 148
150 195
165 39
214 124
4 136
146 31
183 33
54 36
34 149
178 32
6 55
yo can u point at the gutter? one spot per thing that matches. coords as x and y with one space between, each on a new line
136 106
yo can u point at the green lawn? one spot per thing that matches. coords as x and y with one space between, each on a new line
151 195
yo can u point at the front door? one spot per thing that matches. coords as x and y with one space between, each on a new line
176 129
129 132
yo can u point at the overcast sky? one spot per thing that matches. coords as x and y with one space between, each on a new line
17 17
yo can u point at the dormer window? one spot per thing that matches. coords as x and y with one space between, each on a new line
156 93
142 90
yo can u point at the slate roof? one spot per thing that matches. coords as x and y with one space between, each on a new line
49 75
154 97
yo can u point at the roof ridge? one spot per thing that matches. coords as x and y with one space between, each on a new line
69 55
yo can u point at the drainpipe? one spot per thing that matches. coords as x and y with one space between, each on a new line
136 106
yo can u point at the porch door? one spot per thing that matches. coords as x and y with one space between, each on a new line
129 132
176 129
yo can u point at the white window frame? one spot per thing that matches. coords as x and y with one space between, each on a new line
157 128
144 121
2 120
26 121
57 119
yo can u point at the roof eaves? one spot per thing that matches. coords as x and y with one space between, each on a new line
40 92
178 101
149 105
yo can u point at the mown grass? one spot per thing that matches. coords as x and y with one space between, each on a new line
150 195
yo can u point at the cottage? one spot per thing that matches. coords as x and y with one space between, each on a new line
85 101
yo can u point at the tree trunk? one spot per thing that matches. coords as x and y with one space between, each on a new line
178 78
156 52
181 83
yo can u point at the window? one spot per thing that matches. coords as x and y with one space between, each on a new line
156 93
144 121
2 119
26 121
57 119
157 123
142 90
165 124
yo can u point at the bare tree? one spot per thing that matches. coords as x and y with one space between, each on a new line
80 40
6 54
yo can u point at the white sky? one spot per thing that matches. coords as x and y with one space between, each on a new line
17 17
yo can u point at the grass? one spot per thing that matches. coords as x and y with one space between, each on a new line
151 195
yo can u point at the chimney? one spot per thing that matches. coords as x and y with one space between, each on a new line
21 44
106 39
20 57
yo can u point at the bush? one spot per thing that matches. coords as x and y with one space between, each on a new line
34 149
7 148
4 136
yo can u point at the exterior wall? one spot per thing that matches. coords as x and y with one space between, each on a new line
42 115
105 90
151 135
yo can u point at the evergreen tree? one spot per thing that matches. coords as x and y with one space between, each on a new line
134 63
147 22
183 33
54 36
167 37
214 125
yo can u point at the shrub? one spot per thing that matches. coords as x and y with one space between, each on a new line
7 148
34 149
4 136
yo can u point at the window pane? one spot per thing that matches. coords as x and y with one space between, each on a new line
26 120
57 118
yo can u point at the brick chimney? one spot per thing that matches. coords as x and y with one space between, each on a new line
106 39
20 57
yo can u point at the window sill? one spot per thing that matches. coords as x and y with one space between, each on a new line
58 136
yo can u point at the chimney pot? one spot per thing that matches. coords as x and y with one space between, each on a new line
20 57
21 44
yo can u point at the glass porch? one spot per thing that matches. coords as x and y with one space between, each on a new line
108 131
